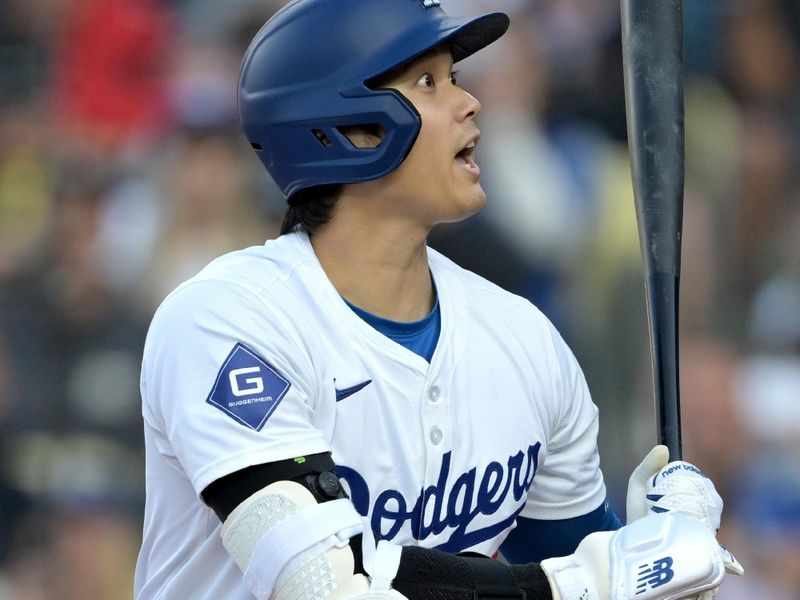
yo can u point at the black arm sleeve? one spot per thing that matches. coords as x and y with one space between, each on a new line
423 574
426 574
226 493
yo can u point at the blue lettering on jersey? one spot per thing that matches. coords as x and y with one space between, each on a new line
471 494
247 388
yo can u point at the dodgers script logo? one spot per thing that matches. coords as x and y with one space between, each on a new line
438 507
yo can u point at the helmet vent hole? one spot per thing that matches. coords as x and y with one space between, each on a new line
364 137
256 147
321 137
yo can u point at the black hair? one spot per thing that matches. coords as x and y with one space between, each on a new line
311 208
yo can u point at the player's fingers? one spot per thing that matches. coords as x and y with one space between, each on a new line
682 487
655 460
731 564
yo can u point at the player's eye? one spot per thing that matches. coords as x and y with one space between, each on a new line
454 77
426 80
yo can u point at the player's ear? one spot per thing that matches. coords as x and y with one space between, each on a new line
364 136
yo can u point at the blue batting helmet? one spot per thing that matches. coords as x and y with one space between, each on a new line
305 76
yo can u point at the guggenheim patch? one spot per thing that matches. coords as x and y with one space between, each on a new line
247 388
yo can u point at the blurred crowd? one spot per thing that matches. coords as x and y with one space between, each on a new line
122 172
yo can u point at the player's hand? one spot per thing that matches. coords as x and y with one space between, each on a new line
657 486
657 557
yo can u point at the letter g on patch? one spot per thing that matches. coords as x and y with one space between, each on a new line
256 383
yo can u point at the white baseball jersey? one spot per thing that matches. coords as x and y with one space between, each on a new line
259 359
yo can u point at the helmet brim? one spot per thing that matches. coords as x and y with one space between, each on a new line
464 35
474 34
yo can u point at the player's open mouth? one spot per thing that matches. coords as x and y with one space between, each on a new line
466 158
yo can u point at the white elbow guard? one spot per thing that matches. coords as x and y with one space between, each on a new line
290 547
659 557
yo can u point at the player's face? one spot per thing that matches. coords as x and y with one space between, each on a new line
439 180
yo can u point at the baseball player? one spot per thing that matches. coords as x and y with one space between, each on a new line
343 413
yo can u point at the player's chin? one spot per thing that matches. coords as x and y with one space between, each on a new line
468 203
468 183
475 198
478 201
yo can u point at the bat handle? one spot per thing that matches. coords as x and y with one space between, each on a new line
662 297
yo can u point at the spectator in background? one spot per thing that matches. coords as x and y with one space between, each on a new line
109 75
211 208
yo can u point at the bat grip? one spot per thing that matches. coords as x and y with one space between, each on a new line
662 298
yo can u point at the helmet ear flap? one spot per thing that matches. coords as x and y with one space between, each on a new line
360 139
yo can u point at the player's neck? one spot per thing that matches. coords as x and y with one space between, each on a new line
381 268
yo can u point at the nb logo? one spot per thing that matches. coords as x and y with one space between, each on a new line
654 575
237 378
429 3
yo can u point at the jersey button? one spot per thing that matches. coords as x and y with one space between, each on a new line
436 436
434 394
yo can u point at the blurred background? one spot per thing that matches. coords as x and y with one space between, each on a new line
122 172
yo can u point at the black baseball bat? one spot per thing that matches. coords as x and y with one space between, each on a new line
652 47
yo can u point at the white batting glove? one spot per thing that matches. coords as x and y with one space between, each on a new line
658 557
657 486
639 482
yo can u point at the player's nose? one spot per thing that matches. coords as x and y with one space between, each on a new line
469 107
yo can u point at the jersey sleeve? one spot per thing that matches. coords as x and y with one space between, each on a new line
569 483
227 383
534 540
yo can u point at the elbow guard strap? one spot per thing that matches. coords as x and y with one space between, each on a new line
282 527
309 533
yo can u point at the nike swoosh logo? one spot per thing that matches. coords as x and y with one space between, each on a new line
344 393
